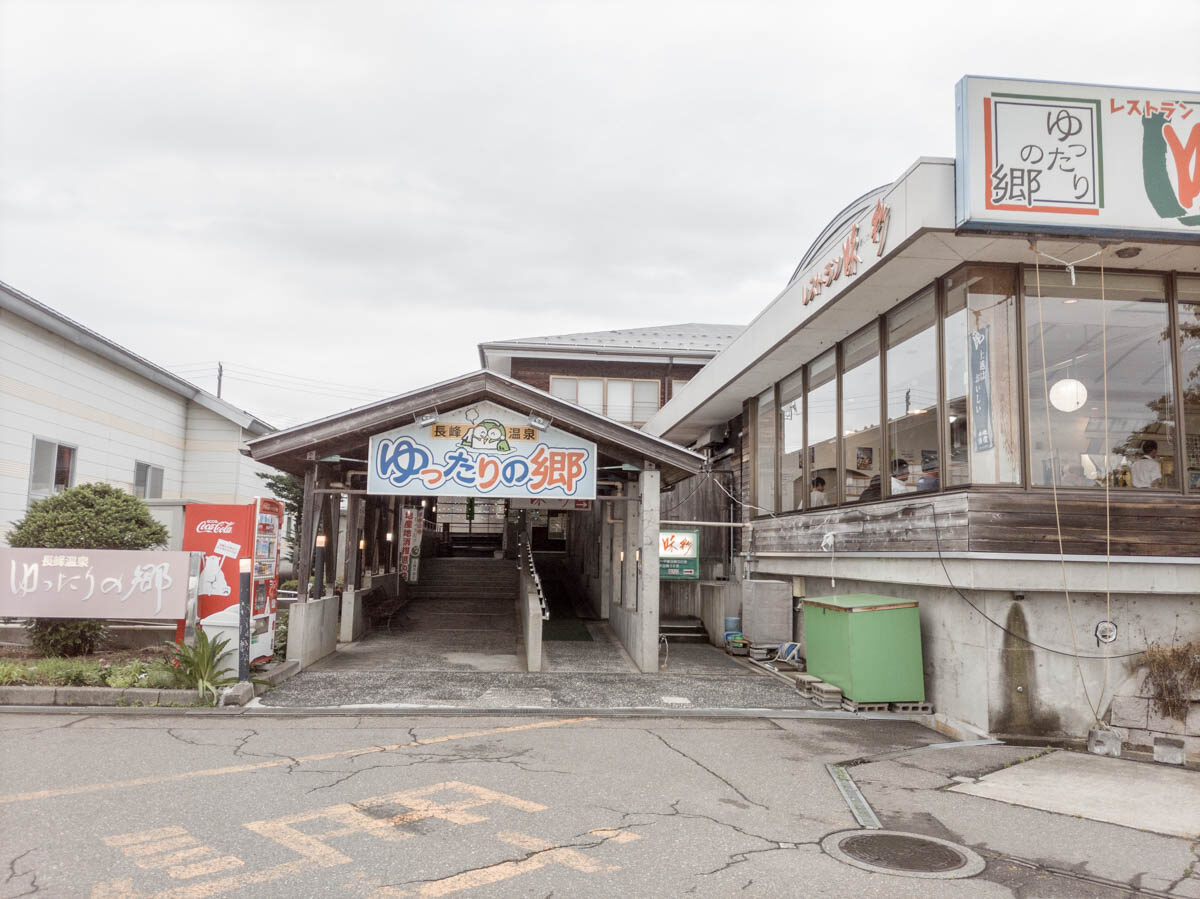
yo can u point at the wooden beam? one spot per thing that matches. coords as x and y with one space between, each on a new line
308 531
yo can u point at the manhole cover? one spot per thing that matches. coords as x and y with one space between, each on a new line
904 854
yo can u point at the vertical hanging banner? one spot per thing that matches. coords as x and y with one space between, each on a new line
1077 157
406 541
981 389
482 450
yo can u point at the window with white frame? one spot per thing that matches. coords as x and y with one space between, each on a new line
627 400
53 469
147 481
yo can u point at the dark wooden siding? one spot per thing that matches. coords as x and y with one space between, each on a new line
912 525
1141 523
997 521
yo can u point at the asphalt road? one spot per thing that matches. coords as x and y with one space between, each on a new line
134 805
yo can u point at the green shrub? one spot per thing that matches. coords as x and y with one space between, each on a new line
199 665
162 676
91 516
289 585
66 636
124 676
67 673
12 673
281 631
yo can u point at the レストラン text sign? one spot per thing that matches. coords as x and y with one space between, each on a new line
482 458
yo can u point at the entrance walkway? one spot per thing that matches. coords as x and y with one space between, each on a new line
417 665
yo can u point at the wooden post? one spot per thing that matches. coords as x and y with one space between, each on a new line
350 562
629 545
308 531
606 560
334 529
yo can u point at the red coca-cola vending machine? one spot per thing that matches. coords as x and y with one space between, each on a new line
227 535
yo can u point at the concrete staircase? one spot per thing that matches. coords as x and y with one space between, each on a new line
472 599
683 630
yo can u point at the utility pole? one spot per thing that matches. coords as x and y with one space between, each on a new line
220 375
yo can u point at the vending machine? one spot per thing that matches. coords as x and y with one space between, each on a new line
227 535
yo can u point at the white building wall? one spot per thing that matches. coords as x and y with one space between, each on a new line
53 389
215 470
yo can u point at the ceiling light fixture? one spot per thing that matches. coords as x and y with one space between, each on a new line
1128 252
1067 395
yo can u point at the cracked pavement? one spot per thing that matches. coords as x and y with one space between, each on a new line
384 806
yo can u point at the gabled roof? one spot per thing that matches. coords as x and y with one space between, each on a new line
26 307
348 433
692 340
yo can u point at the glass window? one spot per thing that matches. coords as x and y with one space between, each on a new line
860 417
792 482
591 394
1100 380
822 430
764 480
1189 365
53 468
981 378
620 400
645 401
564 389
147 481
912 394
628 401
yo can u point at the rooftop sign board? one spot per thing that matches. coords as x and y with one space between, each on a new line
482 450
1038 156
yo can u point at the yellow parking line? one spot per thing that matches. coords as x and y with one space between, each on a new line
278 763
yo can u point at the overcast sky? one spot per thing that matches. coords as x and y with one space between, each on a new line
339 200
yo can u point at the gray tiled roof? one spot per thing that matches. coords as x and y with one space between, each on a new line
692 336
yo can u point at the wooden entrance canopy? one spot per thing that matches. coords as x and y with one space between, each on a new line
347 434
330 452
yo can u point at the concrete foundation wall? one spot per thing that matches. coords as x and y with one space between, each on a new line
988 675
353 624
312 630
530 612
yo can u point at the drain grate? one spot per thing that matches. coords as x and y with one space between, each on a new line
903 853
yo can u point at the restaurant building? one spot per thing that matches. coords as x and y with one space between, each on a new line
980 390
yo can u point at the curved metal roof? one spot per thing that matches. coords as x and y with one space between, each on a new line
833 231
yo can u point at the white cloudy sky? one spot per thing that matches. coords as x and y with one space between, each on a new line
340 199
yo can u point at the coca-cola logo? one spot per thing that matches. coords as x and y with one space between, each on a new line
212 526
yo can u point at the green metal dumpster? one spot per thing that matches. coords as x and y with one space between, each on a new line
868 645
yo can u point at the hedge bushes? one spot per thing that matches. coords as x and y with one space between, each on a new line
56 672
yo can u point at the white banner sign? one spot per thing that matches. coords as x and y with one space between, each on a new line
567 505
1033 155
94 583
482 450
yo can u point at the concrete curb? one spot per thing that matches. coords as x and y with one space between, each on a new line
254 710
131 697
96 696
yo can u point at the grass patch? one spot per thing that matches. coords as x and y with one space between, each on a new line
1173 674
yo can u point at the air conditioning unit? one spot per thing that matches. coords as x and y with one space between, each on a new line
714 436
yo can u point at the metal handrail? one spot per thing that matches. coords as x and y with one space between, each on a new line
525 557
